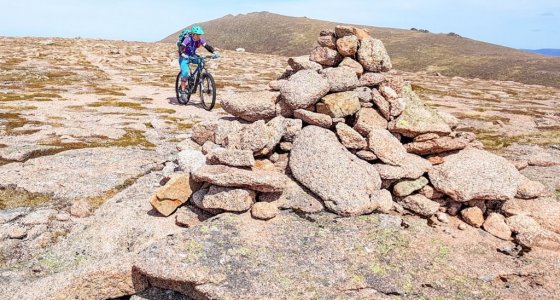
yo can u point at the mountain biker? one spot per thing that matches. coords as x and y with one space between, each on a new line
187 52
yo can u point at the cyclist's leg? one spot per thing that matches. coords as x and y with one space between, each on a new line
184 64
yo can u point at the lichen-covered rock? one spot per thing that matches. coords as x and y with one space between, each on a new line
417 118
407 187
373 56
340 105
304 88
323 165
476 174
347 46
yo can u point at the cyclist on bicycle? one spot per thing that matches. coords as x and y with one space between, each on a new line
187 52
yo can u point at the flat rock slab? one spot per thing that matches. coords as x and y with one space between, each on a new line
262 181
24 152
237 257
78 173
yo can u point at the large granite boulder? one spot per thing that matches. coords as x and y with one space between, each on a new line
304 88
476 174
323 165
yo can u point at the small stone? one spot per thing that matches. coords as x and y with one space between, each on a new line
303 63
462 226
356 66
286 146
382 200
529 189
17 233
366 155
368 119
521 164
187 216
231 157
371 79
264 210
341 79
430 192
343 30
387 148
80 209
350 138
495 224
229 199
407 187
328 41
421 205
473 216
442 217
313 118
63 216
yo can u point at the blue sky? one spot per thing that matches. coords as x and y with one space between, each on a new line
515 23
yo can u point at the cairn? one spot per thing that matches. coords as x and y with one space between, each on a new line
340 131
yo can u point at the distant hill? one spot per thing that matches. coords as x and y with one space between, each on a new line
410 50
549 52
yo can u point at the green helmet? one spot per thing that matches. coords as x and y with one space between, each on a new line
197 30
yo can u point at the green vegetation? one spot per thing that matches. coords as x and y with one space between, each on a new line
11 198
496 140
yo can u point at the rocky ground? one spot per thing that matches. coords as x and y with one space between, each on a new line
89 128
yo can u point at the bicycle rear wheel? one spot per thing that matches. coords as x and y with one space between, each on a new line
207 91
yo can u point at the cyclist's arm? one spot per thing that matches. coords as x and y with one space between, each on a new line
209 48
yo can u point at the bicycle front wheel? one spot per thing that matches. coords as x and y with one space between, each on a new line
207 91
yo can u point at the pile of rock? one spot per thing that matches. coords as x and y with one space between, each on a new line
339 131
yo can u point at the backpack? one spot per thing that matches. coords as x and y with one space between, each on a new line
182 36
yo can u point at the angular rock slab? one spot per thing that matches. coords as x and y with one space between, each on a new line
474 174
373 56
262 181
323 165
417 118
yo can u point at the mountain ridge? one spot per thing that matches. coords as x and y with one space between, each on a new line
414 51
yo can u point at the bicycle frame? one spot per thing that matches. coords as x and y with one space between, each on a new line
199 67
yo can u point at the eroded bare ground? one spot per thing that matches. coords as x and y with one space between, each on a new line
59 95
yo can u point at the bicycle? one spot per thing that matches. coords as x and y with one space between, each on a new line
199 78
